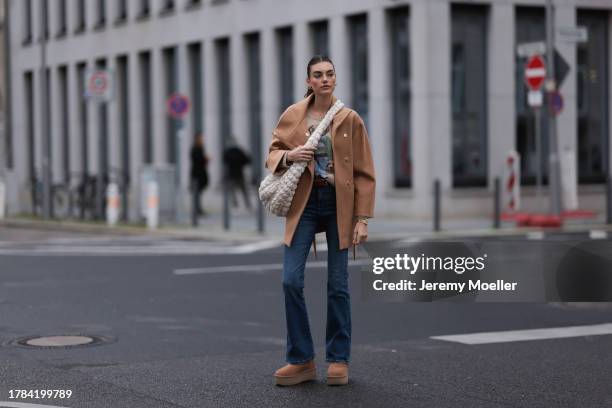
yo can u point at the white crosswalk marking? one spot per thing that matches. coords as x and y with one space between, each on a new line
525 335
258 268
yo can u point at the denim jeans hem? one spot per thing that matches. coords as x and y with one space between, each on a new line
301 361
328 360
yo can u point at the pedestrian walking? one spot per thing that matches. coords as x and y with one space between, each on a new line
198 172
235 160
335 194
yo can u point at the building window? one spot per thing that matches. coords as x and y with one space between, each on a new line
167 6
83 118
254 101
123 101
64 122
103 131
170 73
358 32
400 88
320 38
61 19
121 11
101 14
81 16
45 15
27 22
194 53
530 27
145 9
29 122
285 67
147 106
469 95
593 87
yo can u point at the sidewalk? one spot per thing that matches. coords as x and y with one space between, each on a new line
243 227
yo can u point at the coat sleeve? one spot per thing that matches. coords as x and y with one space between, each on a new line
277 149
363 171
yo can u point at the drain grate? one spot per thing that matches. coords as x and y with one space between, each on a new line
61 341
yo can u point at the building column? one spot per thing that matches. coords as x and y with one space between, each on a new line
136 136
501 121
239 97
56 139
211 116
301 56
269 97
339 54
93 130
186 132
431 127
74 120
158 96
114 125
380 121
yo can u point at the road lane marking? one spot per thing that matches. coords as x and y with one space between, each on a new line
531 334
172 247
598 234
257 268
6 404
535 235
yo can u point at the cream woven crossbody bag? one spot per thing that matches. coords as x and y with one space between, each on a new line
276 191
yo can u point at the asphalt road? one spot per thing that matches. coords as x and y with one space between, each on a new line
178 333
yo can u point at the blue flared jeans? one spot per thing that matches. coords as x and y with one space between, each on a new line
321 209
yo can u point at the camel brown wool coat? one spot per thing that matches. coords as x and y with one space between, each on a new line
353 167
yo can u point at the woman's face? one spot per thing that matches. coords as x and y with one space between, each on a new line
322 78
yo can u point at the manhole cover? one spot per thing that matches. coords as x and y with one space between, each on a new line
60 341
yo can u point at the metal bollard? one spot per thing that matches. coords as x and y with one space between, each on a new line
497 204
436 219
113 200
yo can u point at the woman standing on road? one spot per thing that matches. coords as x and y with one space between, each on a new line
335 194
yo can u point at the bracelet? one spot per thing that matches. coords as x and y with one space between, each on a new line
363 220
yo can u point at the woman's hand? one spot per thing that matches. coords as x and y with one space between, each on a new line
360 234
301 153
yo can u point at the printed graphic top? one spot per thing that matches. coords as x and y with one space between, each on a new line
324 157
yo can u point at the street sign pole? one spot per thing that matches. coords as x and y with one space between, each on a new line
554 169
538 137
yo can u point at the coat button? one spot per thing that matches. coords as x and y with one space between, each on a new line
348 183
345 135
346 159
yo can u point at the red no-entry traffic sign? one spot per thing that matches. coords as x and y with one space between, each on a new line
535 72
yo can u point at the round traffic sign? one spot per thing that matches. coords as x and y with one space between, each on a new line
535 72
178 105
98 83
555 102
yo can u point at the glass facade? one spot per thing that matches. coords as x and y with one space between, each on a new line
144 59
83 117
254 101
593 92
400 87
469 95
285 67
194 54
358 34
530 26
223 70
64 122
169 58
320 38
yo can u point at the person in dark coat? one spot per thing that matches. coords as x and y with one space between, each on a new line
235 159
198 172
